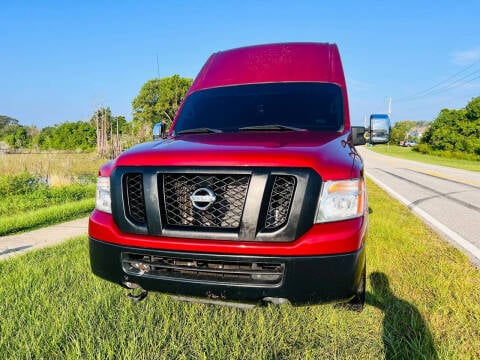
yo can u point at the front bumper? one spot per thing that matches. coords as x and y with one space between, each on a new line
303 280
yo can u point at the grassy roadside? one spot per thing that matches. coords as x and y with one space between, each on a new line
46 216
28 203
37 205
409 154
423 302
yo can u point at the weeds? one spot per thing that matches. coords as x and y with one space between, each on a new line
50 165
43 197
45 216
27 202
19 184
42 189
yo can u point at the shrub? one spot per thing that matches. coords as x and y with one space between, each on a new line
22 183
449 154
44 197
422 148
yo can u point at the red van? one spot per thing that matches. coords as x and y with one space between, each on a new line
256 193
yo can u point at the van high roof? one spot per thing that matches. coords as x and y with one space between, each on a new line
272 63
283 62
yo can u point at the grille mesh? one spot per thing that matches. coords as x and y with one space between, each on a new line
280 201
135 197
226 211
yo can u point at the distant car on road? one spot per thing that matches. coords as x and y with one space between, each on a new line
408 143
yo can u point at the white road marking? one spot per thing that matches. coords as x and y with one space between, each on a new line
475 251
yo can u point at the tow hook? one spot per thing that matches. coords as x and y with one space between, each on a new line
137 294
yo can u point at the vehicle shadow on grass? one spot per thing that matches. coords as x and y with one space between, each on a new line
405 333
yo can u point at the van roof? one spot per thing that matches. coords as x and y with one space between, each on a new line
284 62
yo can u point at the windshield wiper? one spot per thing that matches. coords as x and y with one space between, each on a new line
272 127
200 130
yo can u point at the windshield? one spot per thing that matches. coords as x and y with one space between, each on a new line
380 124
284 106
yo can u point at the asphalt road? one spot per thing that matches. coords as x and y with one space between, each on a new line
447 199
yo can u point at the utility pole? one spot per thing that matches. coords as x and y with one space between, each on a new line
389 114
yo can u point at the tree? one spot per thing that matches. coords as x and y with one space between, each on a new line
158 100
400 130
101 119
456 130
43 139
109 130
19 138
78 135
444 132
8 129
7 120
473 109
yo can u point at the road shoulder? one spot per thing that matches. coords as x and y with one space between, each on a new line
16 244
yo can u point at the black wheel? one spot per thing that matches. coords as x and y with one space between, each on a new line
358 302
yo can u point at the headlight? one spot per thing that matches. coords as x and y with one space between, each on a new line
103 201
340 200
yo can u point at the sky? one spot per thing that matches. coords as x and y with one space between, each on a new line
60 60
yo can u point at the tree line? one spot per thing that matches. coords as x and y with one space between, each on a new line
453 131
456 130
79 135
158 100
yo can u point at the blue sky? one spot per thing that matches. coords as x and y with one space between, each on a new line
59 60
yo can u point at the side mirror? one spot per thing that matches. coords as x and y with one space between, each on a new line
159 130
358 135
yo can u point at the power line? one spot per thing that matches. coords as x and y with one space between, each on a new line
443 85
448 87
456 84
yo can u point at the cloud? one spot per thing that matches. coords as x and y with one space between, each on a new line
466 57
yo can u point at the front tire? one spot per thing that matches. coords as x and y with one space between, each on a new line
358 302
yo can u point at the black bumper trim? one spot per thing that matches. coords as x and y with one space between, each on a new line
306 280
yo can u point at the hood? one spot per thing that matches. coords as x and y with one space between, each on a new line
326 152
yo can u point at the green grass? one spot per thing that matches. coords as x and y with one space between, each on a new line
423 302
44 197
409 154
28 203
53 214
